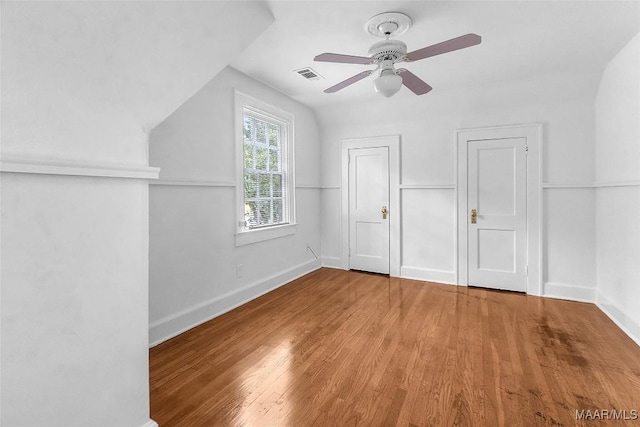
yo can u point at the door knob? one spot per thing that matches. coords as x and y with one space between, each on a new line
474 215
384 212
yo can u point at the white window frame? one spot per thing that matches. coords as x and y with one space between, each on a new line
245 236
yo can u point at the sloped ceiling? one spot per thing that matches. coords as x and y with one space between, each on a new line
520 40
84 79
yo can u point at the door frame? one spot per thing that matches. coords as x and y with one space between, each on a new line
392 143
533 134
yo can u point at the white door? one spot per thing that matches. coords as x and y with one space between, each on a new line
369 209
497 213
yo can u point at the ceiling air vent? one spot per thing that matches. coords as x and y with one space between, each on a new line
309 74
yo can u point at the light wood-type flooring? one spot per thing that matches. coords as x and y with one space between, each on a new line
340 348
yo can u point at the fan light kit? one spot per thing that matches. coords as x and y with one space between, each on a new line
385 54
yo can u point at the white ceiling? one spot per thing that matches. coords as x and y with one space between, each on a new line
520 39
93 77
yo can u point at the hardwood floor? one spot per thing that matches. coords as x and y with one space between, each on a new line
338 348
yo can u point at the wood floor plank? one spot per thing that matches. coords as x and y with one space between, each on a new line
344 348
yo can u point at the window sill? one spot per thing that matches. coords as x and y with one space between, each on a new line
262 234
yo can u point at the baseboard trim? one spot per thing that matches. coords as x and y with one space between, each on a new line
569 292
619 317
171 326
331 262
428 275
150 423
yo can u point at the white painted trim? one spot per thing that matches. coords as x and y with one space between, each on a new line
550 185
457 227
617 184
447 277
533 133
331 187
189 182
63 167
261 234
331 262
171 326
150 423
569 292
619 317
242 101
427 186
392 142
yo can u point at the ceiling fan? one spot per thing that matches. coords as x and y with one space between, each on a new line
385 54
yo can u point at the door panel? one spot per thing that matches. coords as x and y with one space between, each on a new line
496 250
495 172
497 188
368 193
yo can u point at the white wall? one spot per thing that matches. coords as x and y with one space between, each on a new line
82 84
193 256
618 189
74 298
562 103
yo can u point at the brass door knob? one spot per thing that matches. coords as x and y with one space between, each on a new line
474 216
384 212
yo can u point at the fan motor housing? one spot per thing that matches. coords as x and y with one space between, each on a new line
388 50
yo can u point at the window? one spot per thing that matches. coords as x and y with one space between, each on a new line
265 189
265 194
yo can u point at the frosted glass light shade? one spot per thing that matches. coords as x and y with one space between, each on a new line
388 83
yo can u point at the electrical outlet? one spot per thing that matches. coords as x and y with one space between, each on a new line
239 271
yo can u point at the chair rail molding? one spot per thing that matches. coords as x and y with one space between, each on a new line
74 168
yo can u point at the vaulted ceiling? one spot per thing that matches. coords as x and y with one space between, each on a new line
85 79
95 76
520 40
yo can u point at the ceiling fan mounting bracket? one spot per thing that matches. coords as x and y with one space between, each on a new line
388 24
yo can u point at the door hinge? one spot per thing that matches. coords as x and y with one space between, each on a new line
526 270
526 149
